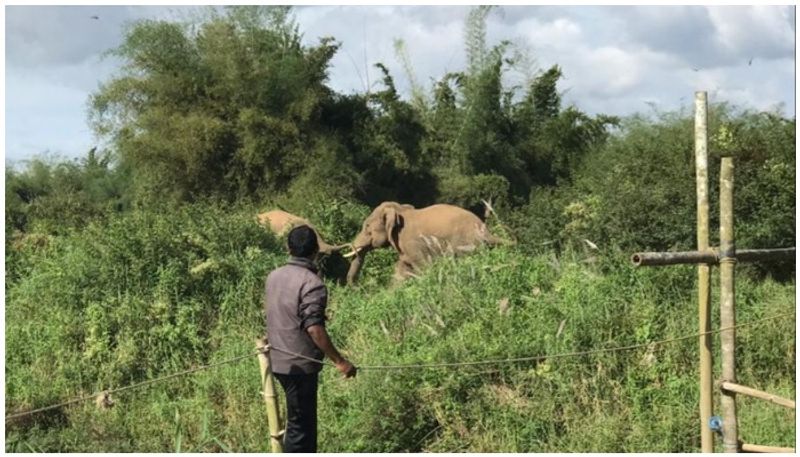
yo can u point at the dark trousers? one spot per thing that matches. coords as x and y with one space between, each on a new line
301 411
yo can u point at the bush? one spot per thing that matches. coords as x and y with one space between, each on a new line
499 304
132 298
637 192
153 292
468 191
52 195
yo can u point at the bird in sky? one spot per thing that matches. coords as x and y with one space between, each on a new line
95 17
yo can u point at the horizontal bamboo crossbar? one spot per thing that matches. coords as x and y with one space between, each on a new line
770 449
711 256
750 392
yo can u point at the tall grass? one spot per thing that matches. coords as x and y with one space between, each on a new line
153 292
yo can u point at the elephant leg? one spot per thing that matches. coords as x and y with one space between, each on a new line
399 272
402 270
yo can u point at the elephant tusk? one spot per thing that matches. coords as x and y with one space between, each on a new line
353 253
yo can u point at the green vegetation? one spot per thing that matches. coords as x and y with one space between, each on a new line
153 293
145 260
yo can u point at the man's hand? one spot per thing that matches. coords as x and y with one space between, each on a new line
346 368
320 337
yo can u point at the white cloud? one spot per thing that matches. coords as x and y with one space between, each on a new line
367 37
615 70
44 116
615 59
591 69
763 30
560 32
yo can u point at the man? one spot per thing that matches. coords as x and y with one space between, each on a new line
295 302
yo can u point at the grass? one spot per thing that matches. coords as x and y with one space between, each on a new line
149 294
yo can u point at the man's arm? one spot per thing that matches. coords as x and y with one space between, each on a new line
320 337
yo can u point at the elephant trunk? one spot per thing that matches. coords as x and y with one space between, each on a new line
355 266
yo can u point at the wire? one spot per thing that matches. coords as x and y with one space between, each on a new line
394 367
534 358
131 386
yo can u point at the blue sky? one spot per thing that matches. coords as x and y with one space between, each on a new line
616 60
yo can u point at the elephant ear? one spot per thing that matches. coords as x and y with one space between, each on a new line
393 221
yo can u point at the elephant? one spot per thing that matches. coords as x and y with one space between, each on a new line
280 222
418 235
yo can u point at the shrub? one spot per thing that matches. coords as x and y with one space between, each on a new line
637 192
150 293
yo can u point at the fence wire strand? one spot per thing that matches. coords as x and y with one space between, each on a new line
133 386
651 344
539 357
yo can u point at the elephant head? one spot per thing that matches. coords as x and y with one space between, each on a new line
379 230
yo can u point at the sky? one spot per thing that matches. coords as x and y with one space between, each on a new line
617 60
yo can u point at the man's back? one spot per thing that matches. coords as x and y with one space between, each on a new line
295 299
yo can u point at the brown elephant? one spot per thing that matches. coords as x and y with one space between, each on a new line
418 235
280 222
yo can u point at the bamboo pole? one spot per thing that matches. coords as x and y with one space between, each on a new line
709 256
270 397
730 437
750 392
703 270
760 448
654 259
764 255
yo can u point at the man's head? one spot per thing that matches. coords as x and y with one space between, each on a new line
303 242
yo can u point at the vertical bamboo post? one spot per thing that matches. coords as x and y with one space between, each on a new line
270 398
703 270
730 437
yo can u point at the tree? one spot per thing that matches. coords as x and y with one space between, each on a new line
388 149
227 107
551 140
53 196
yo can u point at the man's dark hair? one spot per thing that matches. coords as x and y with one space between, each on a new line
302 241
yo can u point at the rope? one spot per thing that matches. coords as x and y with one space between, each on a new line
131 386
396 367
540 357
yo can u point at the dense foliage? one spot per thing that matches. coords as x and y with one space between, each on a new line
51 196
235 107
154 292
637 192
145 259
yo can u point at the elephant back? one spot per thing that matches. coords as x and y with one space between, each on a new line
446 223
281 222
